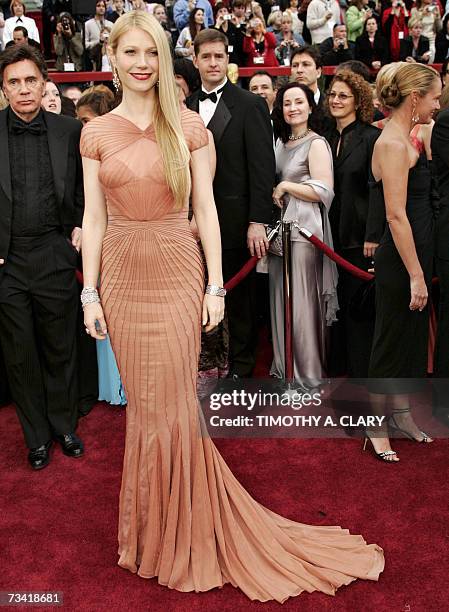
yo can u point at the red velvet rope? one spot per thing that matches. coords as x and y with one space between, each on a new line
339 260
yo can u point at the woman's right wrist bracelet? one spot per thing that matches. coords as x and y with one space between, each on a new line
89 295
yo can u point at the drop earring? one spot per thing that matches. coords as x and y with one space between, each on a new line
415 116
116 80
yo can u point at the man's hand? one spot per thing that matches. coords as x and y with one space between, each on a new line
338 42
2 261
76 238
369 248
257 240
328 15
376 65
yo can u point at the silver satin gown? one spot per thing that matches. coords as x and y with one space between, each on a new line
314 277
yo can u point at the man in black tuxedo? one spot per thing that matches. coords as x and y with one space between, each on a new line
440 156
41 209
243 184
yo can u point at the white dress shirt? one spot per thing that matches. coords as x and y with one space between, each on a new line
26 22
207 107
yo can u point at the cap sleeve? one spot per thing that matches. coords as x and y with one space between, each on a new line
194 130
89 141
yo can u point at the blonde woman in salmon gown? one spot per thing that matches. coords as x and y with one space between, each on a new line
184 518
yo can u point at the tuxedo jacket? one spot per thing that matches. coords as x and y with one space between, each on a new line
440 166
63 135
245 174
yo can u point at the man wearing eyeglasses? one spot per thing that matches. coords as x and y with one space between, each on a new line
41 210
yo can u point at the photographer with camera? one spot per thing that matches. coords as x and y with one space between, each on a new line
287 40
259 45
68 45
96 33
394 24
337 49
224 23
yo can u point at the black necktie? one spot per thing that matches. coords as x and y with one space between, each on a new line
210 96
19 19
20 127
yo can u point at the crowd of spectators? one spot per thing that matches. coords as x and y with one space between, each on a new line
260 34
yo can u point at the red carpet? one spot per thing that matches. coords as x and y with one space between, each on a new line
58 526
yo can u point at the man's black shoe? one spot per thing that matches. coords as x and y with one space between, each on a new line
71 445
40 457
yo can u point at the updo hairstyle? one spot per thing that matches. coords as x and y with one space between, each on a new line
397 80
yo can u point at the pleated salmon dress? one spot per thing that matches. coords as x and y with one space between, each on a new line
183 515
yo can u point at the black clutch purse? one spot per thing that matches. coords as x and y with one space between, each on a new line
362 306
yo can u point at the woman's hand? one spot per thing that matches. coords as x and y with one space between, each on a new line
92 313
278 194
418 290
213 311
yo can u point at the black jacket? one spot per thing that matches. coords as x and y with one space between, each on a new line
331 57
356 214
407 48
441 46
440 167
368 54
245 174
63 143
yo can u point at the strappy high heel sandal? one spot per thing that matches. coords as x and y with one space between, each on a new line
381 456
393 426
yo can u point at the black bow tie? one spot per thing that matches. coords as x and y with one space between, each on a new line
20 127
210 96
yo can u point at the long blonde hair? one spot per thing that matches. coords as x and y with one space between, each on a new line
167 115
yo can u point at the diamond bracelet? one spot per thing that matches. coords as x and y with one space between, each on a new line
216 290
89 295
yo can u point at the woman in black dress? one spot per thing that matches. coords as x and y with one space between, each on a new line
403 260
357 223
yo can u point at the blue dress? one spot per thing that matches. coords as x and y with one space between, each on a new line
110 388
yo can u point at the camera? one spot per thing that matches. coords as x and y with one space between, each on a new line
65 24
227 17
341 46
